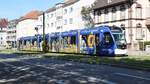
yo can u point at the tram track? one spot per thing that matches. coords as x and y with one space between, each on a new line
49 70
30 70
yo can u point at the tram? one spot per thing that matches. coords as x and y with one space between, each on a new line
102 41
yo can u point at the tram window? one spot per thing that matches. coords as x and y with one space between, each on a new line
107 38
91 40
33 43
73 40
84 41
97 39
25 43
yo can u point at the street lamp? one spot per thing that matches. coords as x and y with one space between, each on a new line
44 39
44 45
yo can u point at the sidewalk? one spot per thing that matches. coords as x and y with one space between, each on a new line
138 53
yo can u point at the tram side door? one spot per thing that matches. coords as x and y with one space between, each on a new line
106 44
97 43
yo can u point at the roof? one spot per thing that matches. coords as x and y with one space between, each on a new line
3 23
50 10
66 3
70 2
31 15
15 21
99 4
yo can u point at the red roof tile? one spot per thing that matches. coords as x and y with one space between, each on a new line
3 23
31 15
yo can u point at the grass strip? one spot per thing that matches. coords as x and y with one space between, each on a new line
133 62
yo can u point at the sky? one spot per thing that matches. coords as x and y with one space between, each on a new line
14 9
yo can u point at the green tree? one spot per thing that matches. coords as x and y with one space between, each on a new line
86 16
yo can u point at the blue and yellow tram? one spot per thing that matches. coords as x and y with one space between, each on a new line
102 40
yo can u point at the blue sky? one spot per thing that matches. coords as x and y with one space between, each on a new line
13 9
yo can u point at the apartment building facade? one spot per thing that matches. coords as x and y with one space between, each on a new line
64 16
27 24
132 15
3 33
11 33
27 28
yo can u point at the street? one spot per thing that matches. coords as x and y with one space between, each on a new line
39 70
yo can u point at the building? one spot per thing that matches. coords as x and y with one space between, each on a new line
3 33
11 33
26 27
132 15
64 16
26 24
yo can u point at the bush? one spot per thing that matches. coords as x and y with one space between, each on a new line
142 45
45 47
90 61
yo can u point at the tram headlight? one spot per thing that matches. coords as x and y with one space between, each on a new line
122 46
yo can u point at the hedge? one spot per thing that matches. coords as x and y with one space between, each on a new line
142 45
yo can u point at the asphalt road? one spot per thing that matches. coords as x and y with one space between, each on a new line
38 70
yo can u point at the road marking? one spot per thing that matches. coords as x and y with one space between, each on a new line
133 76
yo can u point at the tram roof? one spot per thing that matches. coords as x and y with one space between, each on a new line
70 33
55 35
28 38
94 30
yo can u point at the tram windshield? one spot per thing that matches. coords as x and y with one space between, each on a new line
119 37
120 40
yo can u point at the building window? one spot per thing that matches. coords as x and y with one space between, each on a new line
138 11
98 16
71 20
48 25
52 24
122 12
65 11
106 17
139 32
41 19
47 16
52 15
71 9
65 22
114 14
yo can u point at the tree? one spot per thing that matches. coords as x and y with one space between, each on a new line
45 46
86 16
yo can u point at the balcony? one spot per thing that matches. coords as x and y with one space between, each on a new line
148 22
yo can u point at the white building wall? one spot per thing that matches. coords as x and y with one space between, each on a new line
40 24
59 18
78 23
50 22
75 15
3 36
26 28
